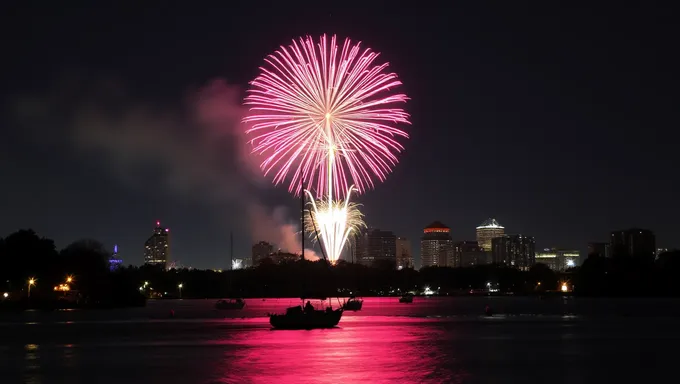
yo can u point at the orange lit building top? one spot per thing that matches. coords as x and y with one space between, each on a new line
437 227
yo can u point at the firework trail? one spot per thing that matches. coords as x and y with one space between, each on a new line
323 115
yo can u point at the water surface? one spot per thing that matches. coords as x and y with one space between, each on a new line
433 340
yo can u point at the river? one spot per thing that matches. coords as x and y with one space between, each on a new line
433 340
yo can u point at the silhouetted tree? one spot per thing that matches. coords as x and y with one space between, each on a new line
542 273
24 254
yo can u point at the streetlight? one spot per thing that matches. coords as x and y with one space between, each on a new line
31 281
180 289
69 279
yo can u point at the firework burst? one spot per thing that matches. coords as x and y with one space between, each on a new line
333 222
325 115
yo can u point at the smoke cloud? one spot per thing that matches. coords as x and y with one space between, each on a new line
197 150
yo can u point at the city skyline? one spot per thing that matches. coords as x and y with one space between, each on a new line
103 138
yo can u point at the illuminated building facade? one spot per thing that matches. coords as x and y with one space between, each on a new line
376 245
548 257
559 259
404 255
517 251
488 230
157 247
634 242
115 261
436 246
468 253
261 251
568 258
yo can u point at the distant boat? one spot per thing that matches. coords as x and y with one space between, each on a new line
307 318
230 304
353 304
407 298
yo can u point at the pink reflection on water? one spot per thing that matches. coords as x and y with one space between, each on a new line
378 351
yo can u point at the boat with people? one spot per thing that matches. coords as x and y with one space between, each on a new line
407 298
353 304
230 304
307 317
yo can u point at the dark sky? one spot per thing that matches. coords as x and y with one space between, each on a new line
557 121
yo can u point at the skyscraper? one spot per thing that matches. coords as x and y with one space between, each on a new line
436 246
115 261
157 247
468 253
634 242
488 230
376 245
518 251
404 256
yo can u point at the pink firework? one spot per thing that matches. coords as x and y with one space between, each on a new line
325 114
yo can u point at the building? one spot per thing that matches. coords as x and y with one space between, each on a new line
488 230
280 256
634 242
436 246
559 259
157 247
468 253
548 257
115 261
376 245
518 251
599 249
568 258
261 251
404 254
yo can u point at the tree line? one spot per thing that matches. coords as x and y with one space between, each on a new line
24 255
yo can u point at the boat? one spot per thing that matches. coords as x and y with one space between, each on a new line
407 298
230 304
306 318
353 304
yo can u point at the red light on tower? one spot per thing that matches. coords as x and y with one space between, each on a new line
158 223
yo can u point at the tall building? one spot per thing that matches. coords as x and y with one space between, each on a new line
376 245
261 251
634 242
468 253
488 230
157 247
559 259
404 255
436 246
600 249
518 251
115 261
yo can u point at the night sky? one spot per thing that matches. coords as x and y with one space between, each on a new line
557 121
